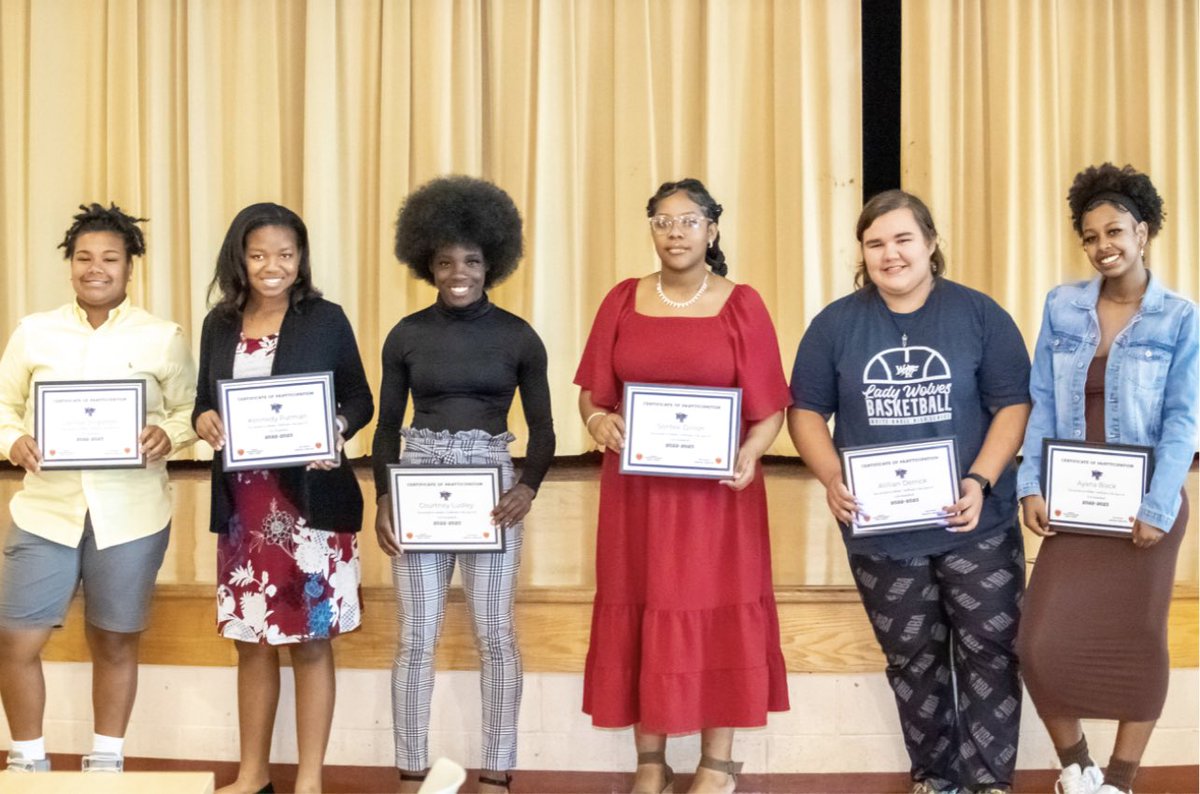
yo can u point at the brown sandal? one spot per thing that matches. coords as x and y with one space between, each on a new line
505 781
659 758
730 768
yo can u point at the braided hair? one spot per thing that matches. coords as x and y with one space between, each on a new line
1125 188
697 192
97 218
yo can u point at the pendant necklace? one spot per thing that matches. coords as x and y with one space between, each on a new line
680 304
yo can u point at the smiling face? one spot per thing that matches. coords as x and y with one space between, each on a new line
897 255
100 270
1113 241
458 273
683 244
272 262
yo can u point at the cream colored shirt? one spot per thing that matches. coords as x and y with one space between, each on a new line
126 504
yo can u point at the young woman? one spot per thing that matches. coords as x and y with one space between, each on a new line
287 554
911 355
106 528
685 634
1115 362
462 360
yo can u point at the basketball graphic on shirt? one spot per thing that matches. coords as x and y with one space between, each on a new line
906 365
907 386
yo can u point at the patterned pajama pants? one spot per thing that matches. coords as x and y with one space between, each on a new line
489 580
948 626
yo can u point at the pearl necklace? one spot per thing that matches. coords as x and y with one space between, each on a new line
680 304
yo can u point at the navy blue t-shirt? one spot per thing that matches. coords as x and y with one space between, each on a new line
942 370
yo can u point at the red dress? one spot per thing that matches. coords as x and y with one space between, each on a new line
685 633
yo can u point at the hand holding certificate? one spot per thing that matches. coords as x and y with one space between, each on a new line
901 487
1094 488
90 424
286 420
445 508
681 431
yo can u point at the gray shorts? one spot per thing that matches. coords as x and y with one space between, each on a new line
38 577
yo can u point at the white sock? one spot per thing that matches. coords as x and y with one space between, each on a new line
113 745
33 750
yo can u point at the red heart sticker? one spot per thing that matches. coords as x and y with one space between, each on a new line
318 445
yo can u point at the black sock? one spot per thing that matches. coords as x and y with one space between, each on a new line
1120 773
1075 754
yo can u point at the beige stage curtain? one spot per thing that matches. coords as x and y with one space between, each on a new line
1004 101
187 111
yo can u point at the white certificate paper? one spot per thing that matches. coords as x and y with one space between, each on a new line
901 487
445 508
89 424
681 431
1094 488
274 422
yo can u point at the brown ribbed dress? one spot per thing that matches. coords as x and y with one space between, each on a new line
1093 635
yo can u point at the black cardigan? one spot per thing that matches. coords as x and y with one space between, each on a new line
315 337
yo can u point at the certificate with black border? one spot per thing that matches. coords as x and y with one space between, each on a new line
1094 488
278 421
681 431
445 508
901 487
89 424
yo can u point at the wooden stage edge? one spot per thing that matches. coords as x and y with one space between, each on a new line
369 780
824 630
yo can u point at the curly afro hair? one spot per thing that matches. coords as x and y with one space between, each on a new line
1089 183
98 218
458 210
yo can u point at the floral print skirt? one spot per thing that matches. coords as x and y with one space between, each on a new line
280 581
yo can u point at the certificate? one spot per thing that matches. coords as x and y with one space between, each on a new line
681 431
901 487
91 424
285 420
1094 488
445 508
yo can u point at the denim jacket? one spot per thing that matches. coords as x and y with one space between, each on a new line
1150 387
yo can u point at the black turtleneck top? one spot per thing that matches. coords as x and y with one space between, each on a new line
462 367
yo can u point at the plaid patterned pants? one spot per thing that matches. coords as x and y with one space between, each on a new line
948 626
489 580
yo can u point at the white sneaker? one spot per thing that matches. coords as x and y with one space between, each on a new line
19 763
103 762
1074 780
1107 789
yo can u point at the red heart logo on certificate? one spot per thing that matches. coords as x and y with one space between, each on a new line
126 450
1131 519
718 461
638 456
52 452
409 536
241 452
318 445
487 534
1058 512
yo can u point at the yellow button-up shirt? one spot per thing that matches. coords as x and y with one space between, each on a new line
125 504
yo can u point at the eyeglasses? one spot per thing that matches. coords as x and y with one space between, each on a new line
663 224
